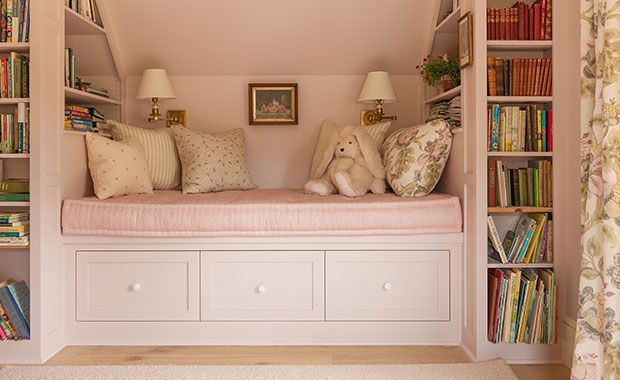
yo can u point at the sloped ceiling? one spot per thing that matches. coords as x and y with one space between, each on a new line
271 37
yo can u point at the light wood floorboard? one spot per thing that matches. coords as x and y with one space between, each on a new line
250 355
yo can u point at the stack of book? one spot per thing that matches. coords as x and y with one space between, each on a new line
521 22
524 128
98 91
522 306
15 227
15 76
530 186
519 77
84 7
448 110
530 241
14 310
15 16
78 119
15 131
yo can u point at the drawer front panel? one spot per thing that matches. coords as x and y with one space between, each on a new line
262 285
138 286
388 285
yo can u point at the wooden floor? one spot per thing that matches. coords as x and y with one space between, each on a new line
286 355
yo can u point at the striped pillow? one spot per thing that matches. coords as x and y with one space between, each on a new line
377 133
160 152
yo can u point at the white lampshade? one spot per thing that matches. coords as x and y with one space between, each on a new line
378 86
155 84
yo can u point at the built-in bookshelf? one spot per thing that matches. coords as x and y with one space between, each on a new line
521 285
15 182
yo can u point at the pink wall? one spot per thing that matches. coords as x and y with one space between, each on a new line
278 156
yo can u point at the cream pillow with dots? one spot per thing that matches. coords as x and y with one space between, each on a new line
117 167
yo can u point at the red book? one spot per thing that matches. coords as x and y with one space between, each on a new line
530 29
502 21
489 24
521 21
537 19
543 18
549 91
515 23
492 305
497 23
507 23
492 174
549 130
500 278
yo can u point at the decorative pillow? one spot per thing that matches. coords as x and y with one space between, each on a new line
117 167
212 162
159 150
376 132
415 157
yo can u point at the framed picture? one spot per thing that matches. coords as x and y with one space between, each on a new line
466 40
273 104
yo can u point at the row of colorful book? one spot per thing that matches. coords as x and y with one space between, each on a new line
15 130
522 306
15 228
84 7
519 76
14 310
530 241
521 22
15 76
15 21
530 186
84 119
524 128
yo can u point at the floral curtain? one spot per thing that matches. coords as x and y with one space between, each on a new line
597 350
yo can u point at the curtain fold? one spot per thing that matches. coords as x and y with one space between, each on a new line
597 348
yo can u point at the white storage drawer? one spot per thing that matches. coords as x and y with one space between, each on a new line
388 285
138 286
262 285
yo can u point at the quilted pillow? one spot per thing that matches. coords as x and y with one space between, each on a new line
159 150
117 167
415 157
212 162
376 132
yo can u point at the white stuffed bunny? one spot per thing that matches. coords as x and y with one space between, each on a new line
351 165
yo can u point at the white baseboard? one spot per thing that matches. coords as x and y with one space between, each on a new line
569 326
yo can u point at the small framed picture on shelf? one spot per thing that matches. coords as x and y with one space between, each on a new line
273 104
466 40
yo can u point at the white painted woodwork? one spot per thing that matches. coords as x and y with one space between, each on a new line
138 286
388 285
262 285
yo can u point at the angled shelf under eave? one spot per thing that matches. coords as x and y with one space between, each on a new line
18 47
78 25
450 23
445 95
502 45
74 96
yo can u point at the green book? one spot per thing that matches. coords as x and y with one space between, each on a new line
15 186
14 197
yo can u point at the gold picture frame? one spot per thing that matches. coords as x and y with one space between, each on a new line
273 104
466 40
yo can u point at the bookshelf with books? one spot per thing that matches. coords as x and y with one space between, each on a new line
514 215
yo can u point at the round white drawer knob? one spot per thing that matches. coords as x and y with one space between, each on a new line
261 289
387 286
135 286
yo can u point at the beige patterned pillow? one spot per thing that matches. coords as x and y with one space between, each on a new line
377 133
160 152
415 157
117 167
212 162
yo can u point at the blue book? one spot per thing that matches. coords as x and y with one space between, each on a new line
544 130
526 240
21 294
495 140
18 321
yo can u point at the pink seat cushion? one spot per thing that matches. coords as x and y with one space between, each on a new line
276 212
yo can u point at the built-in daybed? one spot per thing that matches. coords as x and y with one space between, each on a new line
263 267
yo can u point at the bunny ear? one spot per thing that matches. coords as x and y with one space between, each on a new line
327 155
370 153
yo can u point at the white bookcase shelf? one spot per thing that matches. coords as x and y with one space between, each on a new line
78 25
513 46
18 47
75 96
447 95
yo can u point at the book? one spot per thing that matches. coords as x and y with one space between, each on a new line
14 197
23 241
495 239
21 294
14 186
18 320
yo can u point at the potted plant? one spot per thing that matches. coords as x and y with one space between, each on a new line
444 69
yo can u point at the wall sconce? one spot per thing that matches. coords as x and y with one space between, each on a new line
378 89
155 85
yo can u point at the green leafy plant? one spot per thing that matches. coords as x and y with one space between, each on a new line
433 69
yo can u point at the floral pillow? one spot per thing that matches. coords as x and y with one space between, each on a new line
415 157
